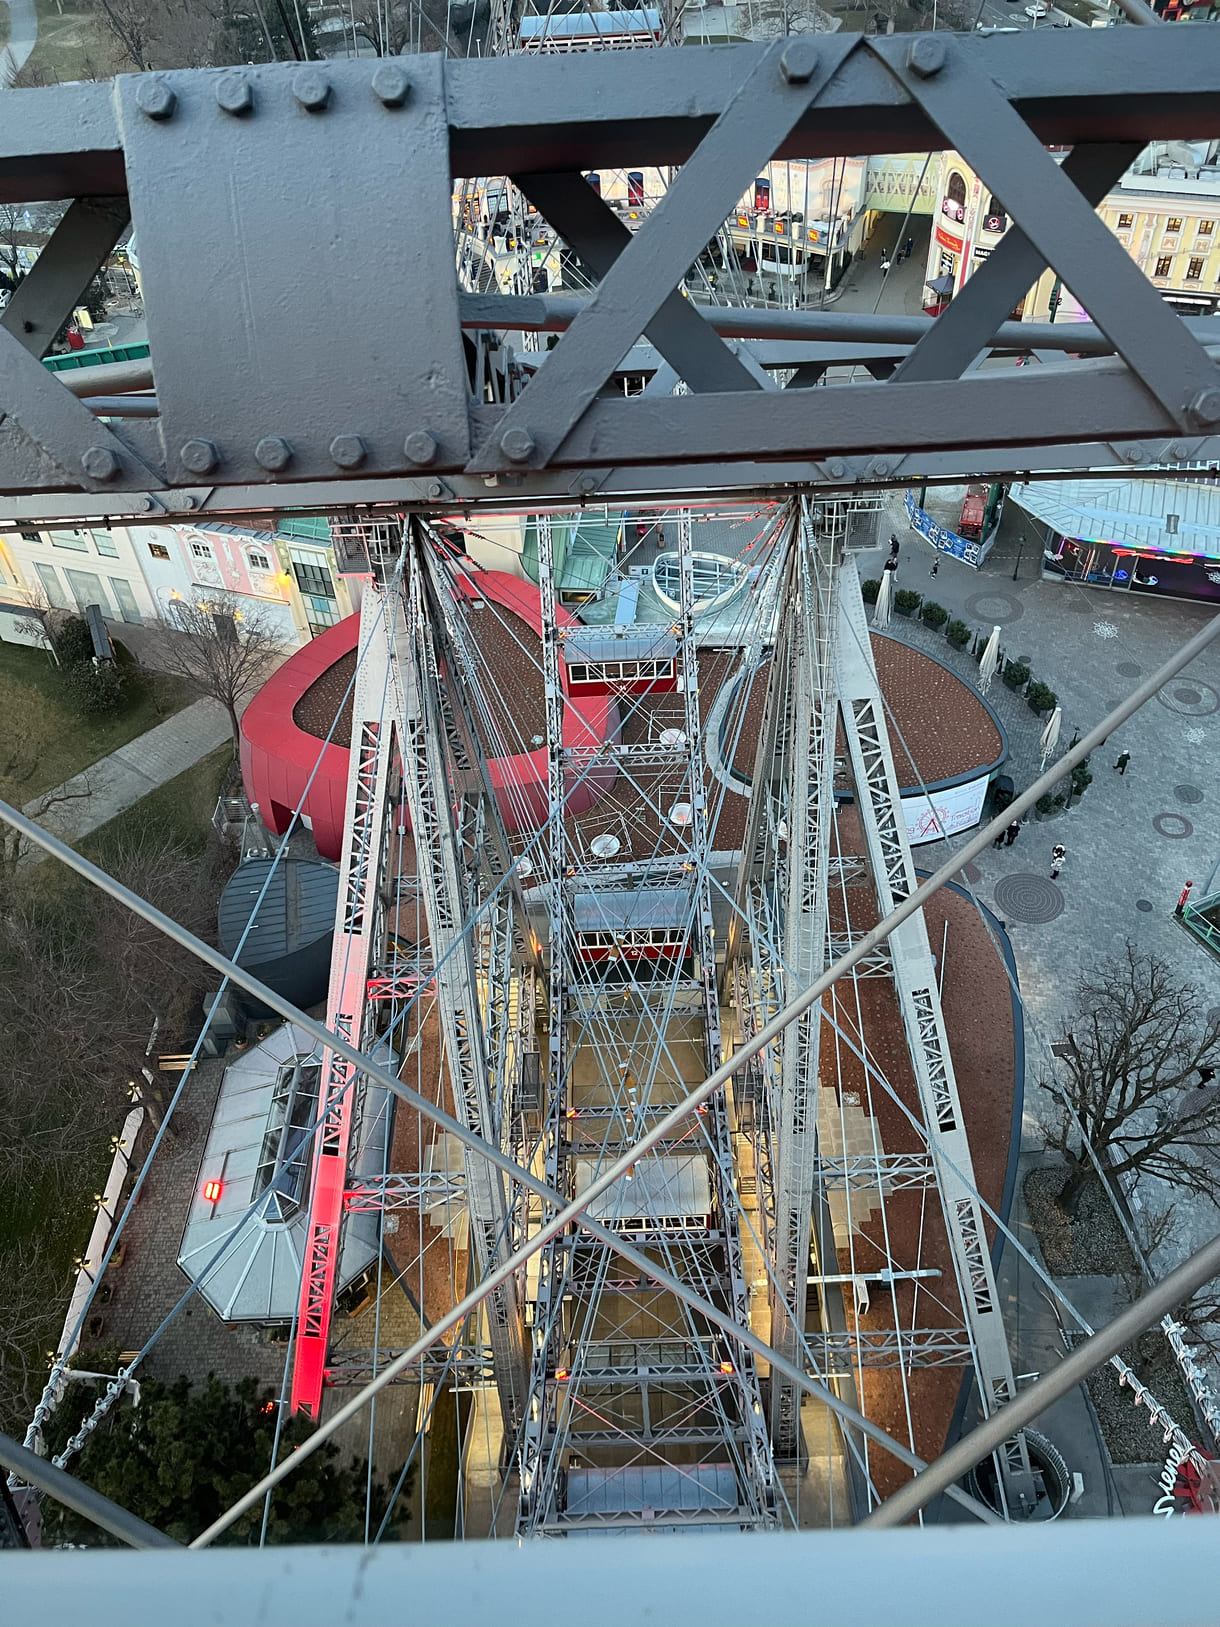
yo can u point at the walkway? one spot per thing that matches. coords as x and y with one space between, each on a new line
109 787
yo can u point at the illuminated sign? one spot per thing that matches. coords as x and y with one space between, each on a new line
944 813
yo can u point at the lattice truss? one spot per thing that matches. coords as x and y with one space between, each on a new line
359 153
597 930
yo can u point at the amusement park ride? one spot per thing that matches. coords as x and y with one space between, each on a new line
670 1283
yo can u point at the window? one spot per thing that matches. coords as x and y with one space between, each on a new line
129 609
995 220
75 540
1194 271
1125 222
105 545
954 202
312 578
1206 227
1173 225
258 562
320 614
1163 265
52 587
87 589
30 536
201 550
158 550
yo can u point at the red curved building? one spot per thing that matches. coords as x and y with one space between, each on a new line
286 758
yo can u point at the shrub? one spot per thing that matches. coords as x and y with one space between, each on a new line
94 691
1081 778
1045 804
933 614
1016 676
870 589
907 601
73 642
958 633
1041 697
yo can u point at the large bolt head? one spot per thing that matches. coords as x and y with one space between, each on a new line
348 451
312 90
420 447
234 95
836 468
273 452
391 86
1205 408
517 445
100 463
199 456
799 62
155 99
927 56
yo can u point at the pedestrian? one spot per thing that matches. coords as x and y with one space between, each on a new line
999 841
1058 854
1124 757
885 265
935 565
908 247
1206 1075
1011 834
894 545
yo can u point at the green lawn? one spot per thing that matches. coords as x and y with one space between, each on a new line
181 809
71 44
81 741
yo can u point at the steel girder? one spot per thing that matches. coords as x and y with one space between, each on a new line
914 977
414 703
245 200
805 877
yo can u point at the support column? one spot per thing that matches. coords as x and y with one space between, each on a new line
914 974
426 784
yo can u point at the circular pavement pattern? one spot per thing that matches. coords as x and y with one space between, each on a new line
1128 669
1174 826
1026 897
1143 904
1187 793
995 606
1195 699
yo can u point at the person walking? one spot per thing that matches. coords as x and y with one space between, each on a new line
999 841
908 246
1124 757
885 265
935 565
1058 854
1011 834
894 546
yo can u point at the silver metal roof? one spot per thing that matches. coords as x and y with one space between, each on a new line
638 911
692 1487
1130 513
658 1189
258 1278
299 907
634 643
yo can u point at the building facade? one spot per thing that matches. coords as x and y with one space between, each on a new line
136 574
1165 212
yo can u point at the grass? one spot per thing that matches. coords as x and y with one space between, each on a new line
181 810
71 45
80 741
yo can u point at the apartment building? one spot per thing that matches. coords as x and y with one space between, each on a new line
1165 211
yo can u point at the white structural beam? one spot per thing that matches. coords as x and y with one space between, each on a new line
810 816
414 693
914 975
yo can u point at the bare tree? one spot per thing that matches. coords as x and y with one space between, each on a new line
30 1318
146 34
221 646
1129 1076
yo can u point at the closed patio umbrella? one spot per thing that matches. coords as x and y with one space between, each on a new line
1050 735
885 599
990 661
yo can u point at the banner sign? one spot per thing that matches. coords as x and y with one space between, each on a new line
941 538
944 813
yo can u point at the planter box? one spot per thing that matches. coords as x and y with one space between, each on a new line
1039 711
1016 687
958 643
898 611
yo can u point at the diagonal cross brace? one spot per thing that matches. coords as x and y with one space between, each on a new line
977 118
694 350
758 118
46 297
964 331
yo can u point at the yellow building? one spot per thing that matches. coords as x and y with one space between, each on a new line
1165 212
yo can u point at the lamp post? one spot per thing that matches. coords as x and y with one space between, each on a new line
1020 549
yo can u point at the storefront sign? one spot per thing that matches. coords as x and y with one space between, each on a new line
948 241
944 813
